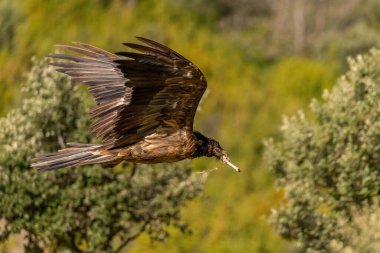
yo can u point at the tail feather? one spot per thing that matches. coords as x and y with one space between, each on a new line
77 154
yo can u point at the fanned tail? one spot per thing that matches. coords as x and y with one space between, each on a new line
76 154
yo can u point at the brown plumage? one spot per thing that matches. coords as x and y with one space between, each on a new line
145 107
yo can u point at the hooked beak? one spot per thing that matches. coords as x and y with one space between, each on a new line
226 160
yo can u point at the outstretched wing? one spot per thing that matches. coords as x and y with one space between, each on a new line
155 90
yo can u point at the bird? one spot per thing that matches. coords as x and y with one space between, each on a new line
146 99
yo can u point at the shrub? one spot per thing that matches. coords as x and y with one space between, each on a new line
329 168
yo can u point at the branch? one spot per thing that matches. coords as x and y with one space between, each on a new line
61 142
133 172
131 238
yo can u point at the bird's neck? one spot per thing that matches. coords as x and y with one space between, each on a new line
200 151
201 146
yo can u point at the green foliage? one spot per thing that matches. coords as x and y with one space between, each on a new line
227 71
84 209
363 233
301 78
243 48
330 167
9 18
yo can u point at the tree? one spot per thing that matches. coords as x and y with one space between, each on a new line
87 209
329 168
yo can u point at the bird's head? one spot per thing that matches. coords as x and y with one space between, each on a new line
209 147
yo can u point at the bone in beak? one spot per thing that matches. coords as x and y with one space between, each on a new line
227 161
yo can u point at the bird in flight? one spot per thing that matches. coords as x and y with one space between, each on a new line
145 107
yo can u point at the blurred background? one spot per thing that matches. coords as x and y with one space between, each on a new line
262 59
